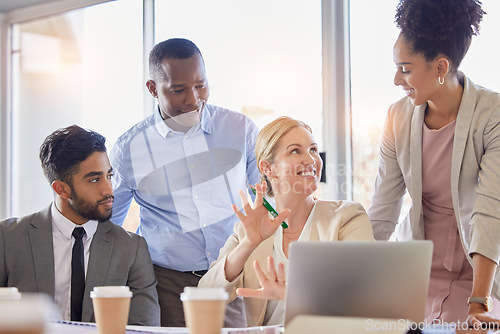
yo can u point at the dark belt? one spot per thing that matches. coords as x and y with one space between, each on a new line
198 273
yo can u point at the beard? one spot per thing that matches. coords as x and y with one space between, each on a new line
89 210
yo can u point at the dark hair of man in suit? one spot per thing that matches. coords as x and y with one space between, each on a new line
174 48
64 149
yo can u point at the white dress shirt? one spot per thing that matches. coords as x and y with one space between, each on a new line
62 229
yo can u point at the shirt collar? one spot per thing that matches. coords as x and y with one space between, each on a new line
66 226
206 120
163 129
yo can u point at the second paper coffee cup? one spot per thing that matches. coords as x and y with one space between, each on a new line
204 309
111 308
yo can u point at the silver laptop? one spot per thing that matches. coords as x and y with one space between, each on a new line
369 279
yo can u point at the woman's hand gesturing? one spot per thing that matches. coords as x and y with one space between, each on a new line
256 221
273 284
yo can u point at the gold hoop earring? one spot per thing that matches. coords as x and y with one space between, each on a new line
439 80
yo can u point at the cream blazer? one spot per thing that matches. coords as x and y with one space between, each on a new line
475 173
330 221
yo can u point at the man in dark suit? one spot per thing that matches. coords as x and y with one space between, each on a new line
49 252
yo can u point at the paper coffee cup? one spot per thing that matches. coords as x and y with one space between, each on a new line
24 315
9 294
111 308
204 309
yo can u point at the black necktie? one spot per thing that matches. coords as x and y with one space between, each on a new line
77 275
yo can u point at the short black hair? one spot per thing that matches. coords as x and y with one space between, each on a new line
174 48
433 27
64 149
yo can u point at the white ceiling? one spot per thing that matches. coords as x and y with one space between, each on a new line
8 5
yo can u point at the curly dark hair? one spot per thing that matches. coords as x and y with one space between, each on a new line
64 149
434 27
174 48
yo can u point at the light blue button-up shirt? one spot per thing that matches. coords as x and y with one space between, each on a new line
185 183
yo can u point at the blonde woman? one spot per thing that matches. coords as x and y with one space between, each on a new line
290 165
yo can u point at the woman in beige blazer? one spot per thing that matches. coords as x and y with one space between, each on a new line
290 165
441 143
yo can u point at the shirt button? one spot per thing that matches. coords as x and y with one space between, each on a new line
196 196
204 225
208 253
191 166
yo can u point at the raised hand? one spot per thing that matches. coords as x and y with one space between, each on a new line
273 285
258 227
256 220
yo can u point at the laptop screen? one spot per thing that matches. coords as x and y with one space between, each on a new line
370 279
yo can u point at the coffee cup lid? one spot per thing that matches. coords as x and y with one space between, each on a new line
194 293
10 293
110 292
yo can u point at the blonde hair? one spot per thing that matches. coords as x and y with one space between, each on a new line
269 139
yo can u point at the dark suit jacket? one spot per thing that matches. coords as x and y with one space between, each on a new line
117 257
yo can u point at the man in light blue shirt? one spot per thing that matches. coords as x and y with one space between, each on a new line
183 165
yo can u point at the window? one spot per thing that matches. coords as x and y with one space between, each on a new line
372 88
480 62
86 66
82 67
263 58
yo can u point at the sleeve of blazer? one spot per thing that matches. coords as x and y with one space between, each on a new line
144 307
216 276
355 223
389 186
5 226
485 222
3 271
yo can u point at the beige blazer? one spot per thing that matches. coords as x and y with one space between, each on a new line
475 173
330 221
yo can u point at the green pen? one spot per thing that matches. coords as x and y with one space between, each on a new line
270 208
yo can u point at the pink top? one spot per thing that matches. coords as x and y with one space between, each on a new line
451 274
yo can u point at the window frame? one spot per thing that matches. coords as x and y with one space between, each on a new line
5 119
337 99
